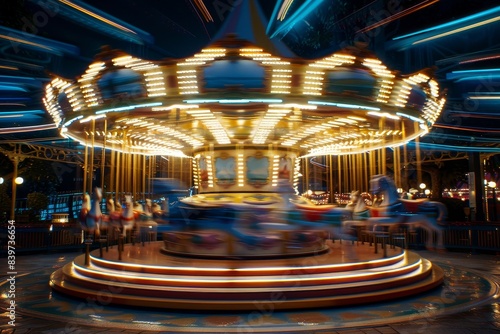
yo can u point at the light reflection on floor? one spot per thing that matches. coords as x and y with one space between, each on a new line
463 289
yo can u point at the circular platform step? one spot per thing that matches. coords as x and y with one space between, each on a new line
323 280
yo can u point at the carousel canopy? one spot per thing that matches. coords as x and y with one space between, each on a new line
234 93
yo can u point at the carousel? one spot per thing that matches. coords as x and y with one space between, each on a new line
242 128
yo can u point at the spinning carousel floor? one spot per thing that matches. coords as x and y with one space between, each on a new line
460 290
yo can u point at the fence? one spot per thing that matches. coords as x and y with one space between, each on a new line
45 237
465 237
52 238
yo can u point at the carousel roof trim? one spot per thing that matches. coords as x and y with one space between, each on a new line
299 104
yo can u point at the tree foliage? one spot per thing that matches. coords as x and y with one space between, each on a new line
37 201
5 201
39 176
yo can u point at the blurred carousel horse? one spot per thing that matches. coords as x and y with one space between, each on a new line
393 211
111 221
328 218
161 211
127 217
145 221
90 217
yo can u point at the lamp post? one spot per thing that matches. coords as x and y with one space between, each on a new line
422 188
493 185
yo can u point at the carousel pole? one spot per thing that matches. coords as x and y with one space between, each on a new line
405 158
397 166
384 161
103 172
85 163
143 183
381 151
118 175
379 163
351 172
339 175
103 153
306 168
120 246
365 170
418 158
91 168
151 160
133 174
85 169
129 186
345 174
330 173
112 166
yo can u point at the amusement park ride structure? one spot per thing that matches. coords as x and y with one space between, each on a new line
249 121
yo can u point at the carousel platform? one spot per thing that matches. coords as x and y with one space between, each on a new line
346 274
466 300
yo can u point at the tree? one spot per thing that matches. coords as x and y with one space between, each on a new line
37 202
39 176
5 202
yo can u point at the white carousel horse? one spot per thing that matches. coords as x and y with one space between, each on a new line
112 219
85 205
148 209
156 209
145 221
94 215
165 206
359 205
161 212
392 211
110 205
353 200
327 218
138 208
84 211
127 218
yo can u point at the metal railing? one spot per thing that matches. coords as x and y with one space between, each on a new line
45 237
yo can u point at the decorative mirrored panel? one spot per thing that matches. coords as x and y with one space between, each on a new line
257 169
225 170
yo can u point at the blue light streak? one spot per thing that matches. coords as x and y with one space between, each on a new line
103 111
480 15
300 14
344 105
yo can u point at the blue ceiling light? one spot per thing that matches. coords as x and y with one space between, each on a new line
98 20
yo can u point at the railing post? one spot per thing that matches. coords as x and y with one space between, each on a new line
474 240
